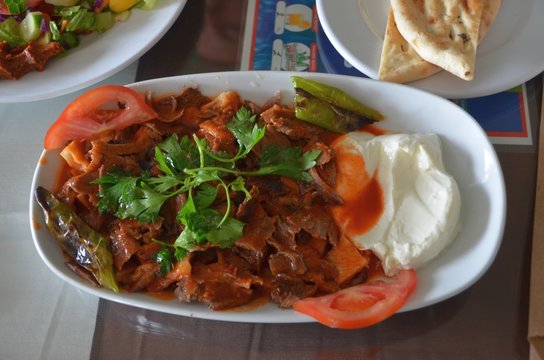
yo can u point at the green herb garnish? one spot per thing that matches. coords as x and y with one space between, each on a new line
164 259
190 166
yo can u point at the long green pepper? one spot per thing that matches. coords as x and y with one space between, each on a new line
329 107
87 247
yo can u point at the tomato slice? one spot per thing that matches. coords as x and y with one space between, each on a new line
361 305
104 108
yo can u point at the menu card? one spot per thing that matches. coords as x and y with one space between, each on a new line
285 35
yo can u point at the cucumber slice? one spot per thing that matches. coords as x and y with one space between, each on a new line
104 21
10 32
31 26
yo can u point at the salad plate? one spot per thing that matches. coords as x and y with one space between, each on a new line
511 53
468 156
97 56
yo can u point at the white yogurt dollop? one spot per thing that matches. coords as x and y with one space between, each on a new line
421 201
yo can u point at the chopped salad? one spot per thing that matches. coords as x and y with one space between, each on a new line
42 29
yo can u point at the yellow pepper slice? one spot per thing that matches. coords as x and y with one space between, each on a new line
122 5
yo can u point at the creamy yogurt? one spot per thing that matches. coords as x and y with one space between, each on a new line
399 200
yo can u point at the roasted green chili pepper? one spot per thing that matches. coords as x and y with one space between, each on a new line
84 245
329 107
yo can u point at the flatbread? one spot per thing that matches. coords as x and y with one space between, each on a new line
400 62
444 33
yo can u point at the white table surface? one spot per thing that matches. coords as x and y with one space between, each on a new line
41 317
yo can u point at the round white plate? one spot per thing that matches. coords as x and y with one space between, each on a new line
511 53
468 156
97 56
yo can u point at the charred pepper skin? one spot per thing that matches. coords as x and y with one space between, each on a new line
88 248
329 107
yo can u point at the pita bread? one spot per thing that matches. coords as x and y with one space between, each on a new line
444 33
399 61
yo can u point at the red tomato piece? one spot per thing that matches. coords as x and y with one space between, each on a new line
4 8
43 7
361 305
109 107
33 3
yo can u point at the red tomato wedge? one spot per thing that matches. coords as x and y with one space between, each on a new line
104 108
361 305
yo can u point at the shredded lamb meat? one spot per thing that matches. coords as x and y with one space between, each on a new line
18 61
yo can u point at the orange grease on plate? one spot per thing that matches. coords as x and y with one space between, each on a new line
36 224
43 160
63 175
162 295
363 196
329 137
373 129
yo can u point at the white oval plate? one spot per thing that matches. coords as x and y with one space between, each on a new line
468 156
97 56
511 53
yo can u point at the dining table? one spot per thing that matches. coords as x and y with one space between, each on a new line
44 317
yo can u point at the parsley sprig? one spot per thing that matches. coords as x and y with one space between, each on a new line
188 165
